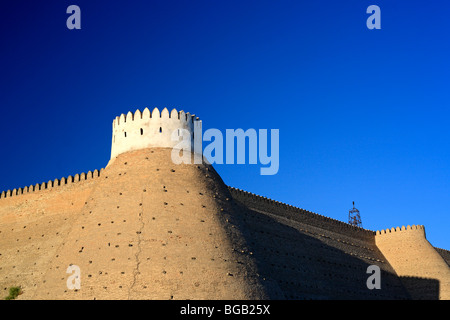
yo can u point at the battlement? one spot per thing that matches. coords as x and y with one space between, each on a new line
52 184
145 114
419 228
140 130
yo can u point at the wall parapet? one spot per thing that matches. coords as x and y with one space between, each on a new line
155 113
52 184
420 228
140 130
292 209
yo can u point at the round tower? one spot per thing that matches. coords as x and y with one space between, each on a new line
147 129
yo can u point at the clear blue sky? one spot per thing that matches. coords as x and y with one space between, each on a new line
363 114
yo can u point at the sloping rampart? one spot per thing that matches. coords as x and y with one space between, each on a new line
57 183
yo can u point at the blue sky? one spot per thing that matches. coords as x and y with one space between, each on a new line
363 114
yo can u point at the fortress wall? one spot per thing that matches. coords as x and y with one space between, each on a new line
308 262
314 257
411 255
145 228
154 230
146 130
398 252
33 224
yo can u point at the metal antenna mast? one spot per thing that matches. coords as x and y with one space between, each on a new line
353 216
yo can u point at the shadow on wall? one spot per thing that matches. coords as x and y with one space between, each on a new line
421 288
295 264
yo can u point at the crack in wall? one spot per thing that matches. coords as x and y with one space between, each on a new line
136 271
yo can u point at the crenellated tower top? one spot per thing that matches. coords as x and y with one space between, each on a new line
150 129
